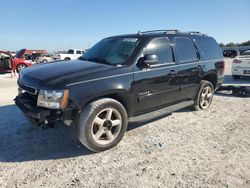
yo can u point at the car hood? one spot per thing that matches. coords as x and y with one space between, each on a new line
20 53
57 75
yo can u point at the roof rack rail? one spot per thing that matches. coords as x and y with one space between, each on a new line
194 33
158 31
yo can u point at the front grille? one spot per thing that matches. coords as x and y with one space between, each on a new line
30 97
27 88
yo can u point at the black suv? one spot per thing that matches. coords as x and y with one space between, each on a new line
231 53
123 78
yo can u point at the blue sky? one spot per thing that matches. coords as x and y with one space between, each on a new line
62 24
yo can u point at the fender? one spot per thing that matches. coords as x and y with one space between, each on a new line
118 88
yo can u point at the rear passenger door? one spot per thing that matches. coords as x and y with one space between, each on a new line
187 58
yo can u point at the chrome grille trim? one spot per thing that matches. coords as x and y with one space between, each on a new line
27 88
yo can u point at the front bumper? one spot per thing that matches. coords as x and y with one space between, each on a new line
36 114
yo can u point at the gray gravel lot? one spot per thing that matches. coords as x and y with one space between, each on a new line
186 149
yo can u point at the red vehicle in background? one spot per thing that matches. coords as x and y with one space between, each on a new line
9 62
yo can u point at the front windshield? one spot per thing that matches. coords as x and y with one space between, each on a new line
113 51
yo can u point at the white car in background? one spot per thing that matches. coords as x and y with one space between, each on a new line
71 54
241 65
45 58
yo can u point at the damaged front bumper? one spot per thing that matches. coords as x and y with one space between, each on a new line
37 114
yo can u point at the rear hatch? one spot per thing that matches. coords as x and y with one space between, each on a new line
245 61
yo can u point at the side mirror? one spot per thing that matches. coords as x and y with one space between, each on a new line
147 61
151 59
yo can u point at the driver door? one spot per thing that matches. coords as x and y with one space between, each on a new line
157 85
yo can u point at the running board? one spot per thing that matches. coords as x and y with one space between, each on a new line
161 112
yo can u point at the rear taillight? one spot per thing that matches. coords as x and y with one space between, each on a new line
236 61
222 67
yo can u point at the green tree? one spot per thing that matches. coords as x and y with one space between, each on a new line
231 44
247 43
221 44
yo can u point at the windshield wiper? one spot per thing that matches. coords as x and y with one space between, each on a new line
100 60
96 60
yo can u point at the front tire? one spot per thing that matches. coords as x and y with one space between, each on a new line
204 97
20 67
102 124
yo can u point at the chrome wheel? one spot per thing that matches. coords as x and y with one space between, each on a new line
206 97
106 126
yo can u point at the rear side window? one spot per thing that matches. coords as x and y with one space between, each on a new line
78 52
209 48
185 50
162 48
70 51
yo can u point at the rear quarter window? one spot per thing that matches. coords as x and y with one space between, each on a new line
209 48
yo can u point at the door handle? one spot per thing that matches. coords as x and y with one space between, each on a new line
172 73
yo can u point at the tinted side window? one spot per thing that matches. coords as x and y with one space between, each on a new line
162 48
185 49
210 48
71 52
78 52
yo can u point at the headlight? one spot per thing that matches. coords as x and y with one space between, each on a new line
54 99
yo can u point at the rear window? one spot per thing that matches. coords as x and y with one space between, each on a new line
185 50
209 48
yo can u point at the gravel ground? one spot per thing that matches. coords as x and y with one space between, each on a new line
186 149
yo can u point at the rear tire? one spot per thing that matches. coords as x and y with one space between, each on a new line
236 77
66 58
102 124
204 96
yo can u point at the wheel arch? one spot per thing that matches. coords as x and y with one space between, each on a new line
211 77
119 96
18 64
